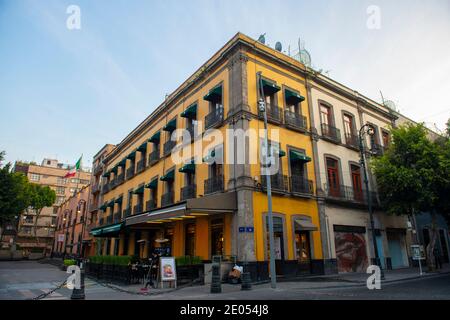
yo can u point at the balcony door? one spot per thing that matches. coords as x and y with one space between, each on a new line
356 182
349 129
333 177
325 115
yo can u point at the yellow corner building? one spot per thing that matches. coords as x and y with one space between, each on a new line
208 206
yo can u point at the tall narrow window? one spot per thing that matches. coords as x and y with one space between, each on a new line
325 115
356 182
350 137
333 177
386 139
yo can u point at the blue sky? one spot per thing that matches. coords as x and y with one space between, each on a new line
64 92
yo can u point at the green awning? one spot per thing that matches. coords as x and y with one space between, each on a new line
297 156
122 163
139 190
115 169
155 138
111 203
103 207
152 184
282 153
119 200
108 231
187 168
293 97
132 155
168 176
171 125
106 174
210 156
214 94
270 87
142 147
190 112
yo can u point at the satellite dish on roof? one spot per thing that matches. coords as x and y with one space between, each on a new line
262 38
390 104
278 46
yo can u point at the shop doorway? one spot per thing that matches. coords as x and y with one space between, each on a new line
303 250
397 249
278 243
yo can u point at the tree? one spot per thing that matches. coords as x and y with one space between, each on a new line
14 189
413 176
40 197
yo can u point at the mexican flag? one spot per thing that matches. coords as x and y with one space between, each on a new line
74 170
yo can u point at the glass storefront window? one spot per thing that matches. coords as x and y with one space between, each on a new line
302 247
217 237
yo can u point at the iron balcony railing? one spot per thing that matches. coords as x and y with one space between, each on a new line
141 165
95 188
167 198
299 184
120 178
93 206
153 157
126 212
214 184
137 209
295 120
349 194
188 192
105 188
97 170
351 140
215 117
113 184
150 205
278 182
274 113
168 146
117 217
331 132
130 172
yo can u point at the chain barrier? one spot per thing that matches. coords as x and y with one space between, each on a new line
44 295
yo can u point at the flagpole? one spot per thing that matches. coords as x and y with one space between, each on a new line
78 178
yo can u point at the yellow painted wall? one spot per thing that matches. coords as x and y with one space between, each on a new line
288 206
166 163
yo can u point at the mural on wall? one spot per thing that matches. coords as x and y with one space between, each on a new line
351 252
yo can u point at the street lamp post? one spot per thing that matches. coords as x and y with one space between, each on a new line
367 129
262 109
82 205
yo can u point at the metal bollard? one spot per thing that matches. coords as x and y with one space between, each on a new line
78 294
216 285
246 281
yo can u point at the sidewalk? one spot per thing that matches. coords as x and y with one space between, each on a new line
346 280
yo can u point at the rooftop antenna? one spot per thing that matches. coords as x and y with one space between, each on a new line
303 55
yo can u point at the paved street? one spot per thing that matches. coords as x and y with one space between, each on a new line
27 279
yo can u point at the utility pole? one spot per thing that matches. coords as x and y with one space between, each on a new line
262 108
363 130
